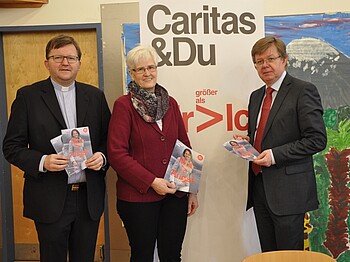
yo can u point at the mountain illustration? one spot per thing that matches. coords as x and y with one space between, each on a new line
318 62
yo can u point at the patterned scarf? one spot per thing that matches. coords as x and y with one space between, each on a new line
150 106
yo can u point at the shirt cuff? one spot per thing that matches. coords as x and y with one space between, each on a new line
104 160
41 164
273 162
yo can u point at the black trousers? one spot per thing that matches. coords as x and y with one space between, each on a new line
163 222
276 232
74 232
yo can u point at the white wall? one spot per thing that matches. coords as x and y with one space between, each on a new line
82 11
56 12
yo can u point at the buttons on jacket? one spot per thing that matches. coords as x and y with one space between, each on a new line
164 161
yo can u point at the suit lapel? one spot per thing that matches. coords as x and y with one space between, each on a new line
281 95
50 99
164 126
165 120
156 127
255 109
82 103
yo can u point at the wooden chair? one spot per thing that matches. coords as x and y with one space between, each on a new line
289 256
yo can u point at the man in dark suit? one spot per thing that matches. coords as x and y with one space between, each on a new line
66 210
287 127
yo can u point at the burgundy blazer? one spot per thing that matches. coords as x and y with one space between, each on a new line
139 151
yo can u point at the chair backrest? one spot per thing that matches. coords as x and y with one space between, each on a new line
289 256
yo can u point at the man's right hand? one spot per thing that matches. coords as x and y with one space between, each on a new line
55 162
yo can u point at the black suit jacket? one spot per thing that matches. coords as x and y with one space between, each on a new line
35 119
294 131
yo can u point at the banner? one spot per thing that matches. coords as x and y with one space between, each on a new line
205 64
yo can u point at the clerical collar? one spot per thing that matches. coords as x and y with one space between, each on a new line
60 88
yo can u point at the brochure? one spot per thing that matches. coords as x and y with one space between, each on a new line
74 143
185 168
241 148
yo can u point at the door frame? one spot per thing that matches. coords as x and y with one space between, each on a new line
6 228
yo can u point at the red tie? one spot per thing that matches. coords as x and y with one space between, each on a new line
265 110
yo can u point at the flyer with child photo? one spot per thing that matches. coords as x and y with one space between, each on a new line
241 148
74 143
185 168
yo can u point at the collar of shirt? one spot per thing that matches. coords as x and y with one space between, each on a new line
60 88
276 86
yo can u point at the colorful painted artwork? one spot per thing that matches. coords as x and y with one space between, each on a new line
319 52
130 38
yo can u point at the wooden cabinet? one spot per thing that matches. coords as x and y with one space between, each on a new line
22 3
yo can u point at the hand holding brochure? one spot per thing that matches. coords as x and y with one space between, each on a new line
74 143
242 148
185 168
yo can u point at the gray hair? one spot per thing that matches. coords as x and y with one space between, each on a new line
141 53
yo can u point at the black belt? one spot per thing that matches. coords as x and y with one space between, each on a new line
76 186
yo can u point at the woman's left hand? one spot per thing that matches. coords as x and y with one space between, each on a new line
192 204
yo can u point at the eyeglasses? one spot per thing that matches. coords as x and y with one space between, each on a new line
59 58
268 61
142 70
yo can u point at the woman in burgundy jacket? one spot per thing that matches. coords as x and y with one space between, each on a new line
144 127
